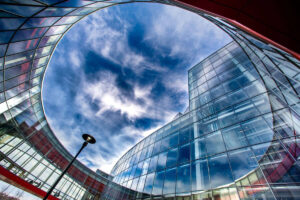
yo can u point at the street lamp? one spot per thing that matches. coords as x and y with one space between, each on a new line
87 139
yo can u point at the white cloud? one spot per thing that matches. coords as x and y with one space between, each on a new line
112 43
108 97
191 36
75 58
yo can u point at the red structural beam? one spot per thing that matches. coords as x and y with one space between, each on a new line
273 21
19 182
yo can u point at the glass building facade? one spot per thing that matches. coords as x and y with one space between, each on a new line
232 142
239 139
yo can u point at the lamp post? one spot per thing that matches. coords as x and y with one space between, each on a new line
87 139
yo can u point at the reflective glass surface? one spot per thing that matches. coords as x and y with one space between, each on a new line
239 138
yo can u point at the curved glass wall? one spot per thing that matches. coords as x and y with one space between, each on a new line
239 139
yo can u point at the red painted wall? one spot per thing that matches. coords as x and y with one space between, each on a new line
274 21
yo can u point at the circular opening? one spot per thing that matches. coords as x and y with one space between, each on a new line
121 73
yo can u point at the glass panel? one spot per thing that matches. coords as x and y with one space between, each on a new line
55 12
198 149
184 154
161 163
184 135
141 183
139 169
17 70
5 36
164 144
68 20
242 162
18 47
173 142
29 34
234 137
200 177
156 148
219 170
149 183
257 131
40 22
145 167
170 181
49 40
172 158
214 143
246 110
10 23
183 179
153 163
57 30
134 184
25 11
203 196
158 183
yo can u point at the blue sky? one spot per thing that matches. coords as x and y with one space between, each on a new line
121 73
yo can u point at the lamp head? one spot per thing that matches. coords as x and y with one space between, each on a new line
88 138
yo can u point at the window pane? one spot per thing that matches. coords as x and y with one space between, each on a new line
40 22
200 178
219 171
149 151
183 179
173 142
171 158
134 184
29 34
234 137
198 149
214 143
158 183
156 148
246 110
149 183
5 36
22 46
57 30
152 165
141 183
145 167
184 135
242 162
165 144
161 163
170 181
184 154
257 131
